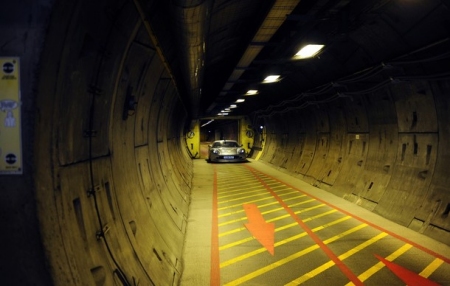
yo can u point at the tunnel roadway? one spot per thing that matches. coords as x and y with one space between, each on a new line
268 228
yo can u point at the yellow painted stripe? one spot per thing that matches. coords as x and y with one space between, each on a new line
223 193
241 210
311 274
261 250
347 232
283 216
231 231
278 218
309 209
298 212
240 193
291 198
238 189
288 259
247 202
380 265
252 201
431 267
329 264
226 246
362 246
242 198
272 266
330 223
301 203
238 242
238 182
238 185
232 221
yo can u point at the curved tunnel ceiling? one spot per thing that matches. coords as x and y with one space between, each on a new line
358 35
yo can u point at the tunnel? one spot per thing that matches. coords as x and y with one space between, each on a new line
108 107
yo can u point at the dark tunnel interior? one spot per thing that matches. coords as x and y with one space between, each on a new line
114 97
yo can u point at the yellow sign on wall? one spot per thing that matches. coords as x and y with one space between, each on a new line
10 120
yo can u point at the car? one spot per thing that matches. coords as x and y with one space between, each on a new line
226 151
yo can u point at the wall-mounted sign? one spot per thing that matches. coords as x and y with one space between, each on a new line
10 120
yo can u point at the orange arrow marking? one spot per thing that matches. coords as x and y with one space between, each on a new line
263 231
409 277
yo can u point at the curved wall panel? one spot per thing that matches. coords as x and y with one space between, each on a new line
385 151
113 179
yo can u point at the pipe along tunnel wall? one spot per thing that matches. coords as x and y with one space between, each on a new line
113 192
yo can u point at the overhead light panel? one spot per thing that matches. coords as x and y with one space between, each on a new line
271 78
240 100
233 105
308 51
252 92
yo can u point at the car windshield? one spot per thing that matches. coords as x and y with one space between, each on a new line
225 144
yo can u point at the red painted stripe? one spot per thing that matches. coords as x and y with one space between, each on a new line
347 272
437 255
407 276
215 259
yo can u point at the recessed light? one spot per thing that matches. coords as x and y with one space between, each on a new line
271 78
308 51
252 92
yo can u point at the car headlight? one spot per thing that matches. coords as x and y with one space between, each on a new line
215 151
241 151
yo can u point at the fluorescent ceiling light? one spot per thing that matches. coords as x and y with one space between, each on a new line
240 100
271 78
252 92
308 51
233 105
207 122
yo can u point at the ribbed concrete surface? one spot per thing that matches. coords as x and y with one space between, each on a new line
318 238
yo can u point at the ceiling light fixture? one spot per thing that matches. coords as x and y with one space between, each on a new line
252 92
233 105
240 100
207 123
308 51
272 78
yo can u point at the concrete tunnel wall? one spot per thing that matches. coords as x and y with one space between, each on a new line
96 163
386 152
